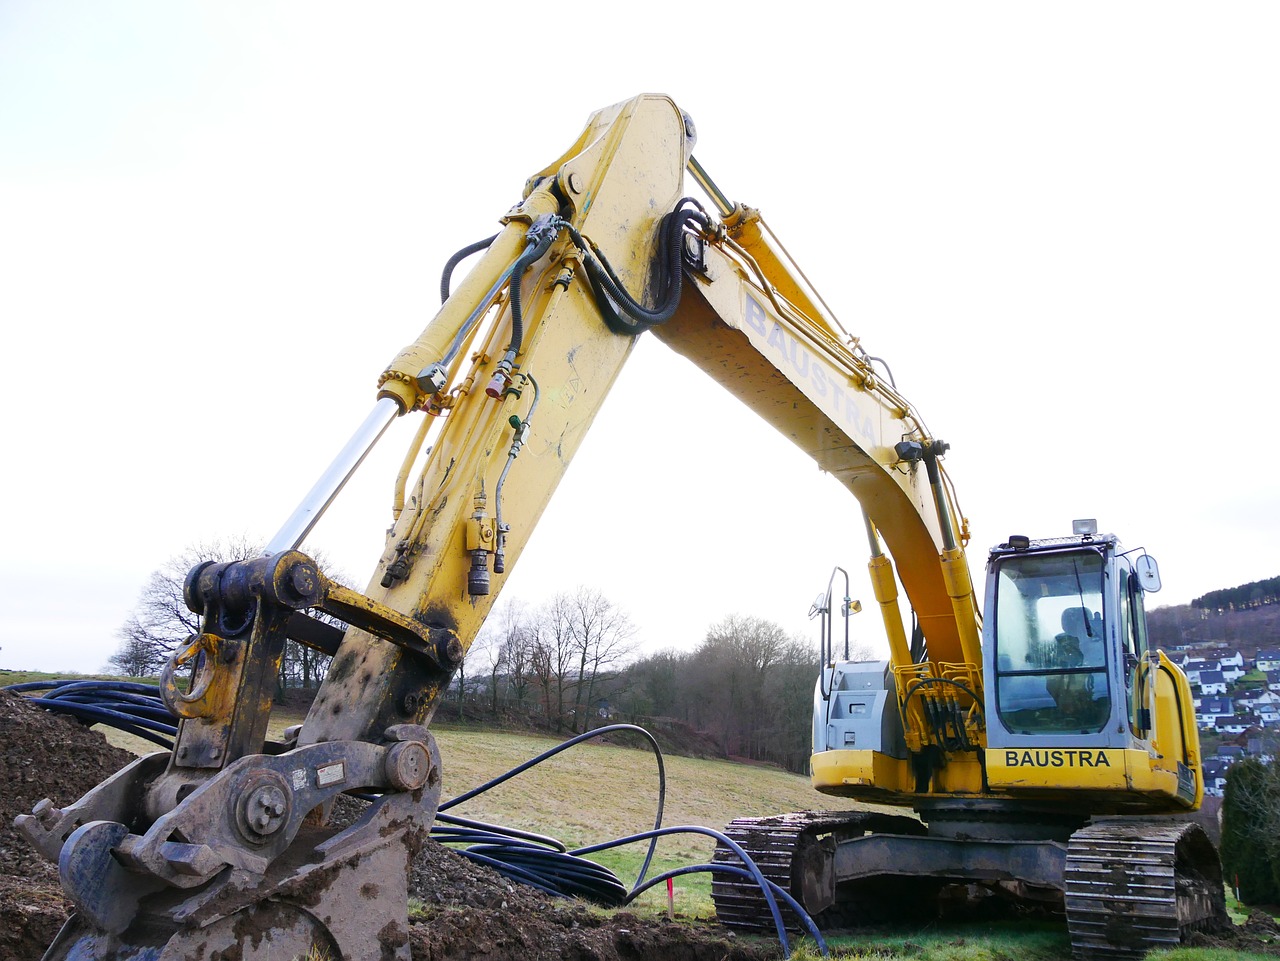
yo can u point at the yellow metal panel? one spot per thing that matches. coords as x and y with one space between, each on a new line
861 774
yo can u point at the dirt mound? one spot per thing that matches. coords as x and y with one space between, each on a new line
463 910
1260 934
41 755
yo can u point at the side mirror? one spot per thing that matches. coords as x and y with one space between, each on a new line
1148 573
853 607
820 605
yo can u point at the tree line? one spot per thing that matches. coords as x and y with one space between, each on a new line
748 685
1253 594
567 665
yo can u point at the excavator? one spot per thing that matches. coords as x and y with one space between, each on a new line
1040 750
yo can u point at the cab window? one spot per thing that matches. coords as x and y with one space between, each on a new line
1051 666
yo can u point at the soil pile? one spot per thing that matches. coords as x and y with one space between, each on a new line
41 755
468 911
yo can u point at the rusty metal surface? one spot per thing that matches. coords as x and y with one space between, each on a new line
238 869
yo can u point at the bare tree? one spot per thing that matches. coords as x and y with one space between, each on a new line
137 655
602 639
509 634
552 658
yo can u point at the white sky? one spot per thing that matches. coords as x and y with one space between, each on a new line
1059 223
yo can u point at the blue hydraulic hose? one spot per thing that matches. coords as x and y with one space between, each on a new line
732 845
779 891
129 706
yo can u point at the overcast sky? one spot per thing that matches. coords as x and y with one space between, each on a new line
1058 223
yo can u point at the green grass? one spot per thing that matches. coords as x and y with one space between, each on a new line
1208 954
1001 941
8 677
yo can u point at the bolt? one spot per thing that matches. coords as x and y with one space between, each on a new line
575 182
303 580
45 811
265 809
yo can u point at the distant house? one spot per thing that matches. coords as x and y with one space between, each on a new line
1215 775
1268 659
1231 752
1193 670
1264 746
1231 659
1269 715
1234 725
1273 680
1212 708
1233 672
1212 682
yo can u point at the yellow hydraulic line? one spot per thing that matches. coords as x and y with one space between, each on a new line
748 229
411 455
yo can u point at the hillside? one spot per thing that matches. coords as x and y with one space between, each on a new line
1243 629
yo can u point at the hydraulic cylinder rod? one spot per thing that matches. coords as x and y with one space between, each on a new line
320 496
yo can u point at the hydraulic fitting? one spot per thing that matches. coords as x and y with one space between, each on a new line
478 575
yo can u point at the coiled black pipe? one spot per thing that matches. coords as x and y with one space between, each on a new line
741 872
126 705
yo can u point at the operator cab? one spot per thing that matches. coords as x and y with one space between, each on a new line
1065 629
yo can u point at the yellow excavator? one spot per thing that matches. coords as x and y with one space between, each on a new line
1015 741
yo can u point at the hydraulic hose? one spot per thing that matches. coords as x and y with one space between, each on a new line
539 240
446 278
610 294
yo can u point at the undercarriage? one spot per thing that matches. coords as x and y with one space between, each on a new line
1125 886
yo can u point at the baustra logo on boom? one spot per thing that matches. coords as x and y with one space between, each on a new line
843 405
1067 757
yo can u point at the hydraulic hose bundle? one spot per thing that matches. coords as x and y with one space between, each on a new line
127 706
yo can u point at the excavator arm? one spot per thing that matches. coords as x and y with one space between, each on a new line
179 852
532 380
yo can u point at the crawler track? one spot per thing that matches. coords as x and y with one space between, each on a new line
1136 885
790 850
